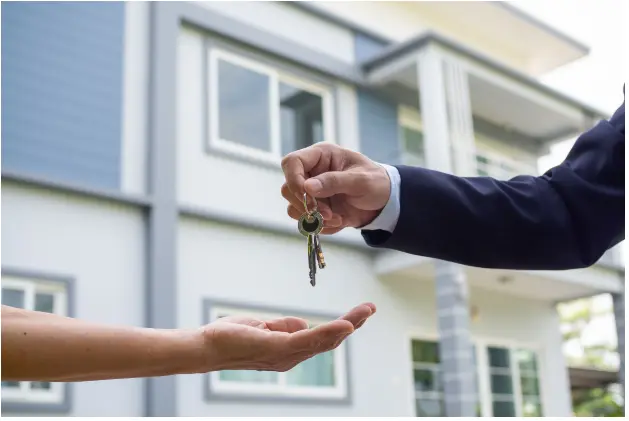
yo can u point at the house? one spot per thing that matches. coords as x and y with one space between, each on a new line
141 186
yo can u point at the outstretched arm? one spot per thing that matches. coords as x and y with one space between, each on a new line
45 347
565 219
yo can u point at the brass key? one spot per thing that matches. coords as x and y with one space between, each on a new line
310 225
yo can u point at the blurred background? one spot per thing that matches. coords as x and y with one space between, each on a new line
141 182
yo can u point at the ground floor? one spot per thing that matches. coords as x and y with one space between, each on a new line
85 257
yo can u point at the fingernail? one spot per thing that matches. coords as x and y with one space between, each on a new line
315 185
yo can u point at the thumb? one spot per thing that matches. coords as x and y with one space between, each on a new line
336 182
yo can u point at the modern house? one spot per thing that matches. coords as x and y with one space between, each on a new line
141 182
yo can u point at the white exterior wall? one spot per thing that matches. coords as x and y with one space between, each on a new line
290 22
223 184
101 246
240 265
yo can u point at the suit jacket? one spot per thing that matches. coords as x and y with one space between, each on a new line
564 219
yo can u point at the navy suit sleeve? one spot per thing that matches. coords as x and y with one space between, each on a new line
564 219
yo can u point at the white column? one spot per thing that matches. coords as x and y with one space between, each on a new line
460 119
432 98
442 118
446 114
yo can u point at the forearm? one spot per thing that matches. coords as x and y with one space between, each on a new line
46 347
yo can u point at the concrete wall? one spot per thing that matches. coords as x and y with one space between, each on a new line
211 266
101 246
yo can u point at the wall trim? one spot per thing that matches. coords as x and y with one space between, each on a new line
66 187
161 270
66 405
210 396
275 228
213 21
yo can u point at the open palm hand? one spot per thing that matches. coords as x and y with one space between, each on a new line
245 343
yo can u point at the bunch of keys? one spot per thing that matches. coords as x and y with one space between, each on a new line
310 225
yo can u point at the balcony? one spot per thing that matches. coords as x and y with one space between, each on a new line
500 167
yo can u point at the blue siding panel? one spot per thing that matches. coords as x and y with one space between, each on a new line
62 65
378 128
366 47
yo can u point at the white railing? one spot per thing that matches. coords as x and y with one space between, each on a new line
500 167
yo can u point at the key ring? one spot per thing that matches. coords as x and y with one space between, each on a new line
316 206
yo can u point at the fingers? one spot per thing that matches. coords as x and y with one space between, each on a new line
321 338
297 202
287 324
337 182
359 314
297 164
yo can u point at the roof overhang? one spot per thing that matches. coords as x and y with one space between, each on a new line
506 32
499 94
590 378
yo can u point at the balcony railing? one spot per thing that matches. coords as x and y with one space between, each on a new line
500 167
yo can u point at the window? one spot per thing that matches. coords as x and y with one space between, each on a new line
412 137
429 400
506 380
322 376
264 113
513 382
427 379
38 295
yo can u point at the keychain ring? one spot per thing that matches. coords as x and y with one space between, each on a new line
316 207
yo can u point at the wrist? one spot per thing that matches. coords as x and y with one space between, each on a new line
184 352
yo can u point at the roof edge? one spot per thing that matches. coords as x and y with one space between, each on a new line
585 49
420 41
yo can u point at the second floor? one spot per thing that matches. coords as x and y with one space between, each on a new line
216 99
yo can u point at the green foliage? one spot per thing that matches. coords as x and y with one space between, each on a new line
597 402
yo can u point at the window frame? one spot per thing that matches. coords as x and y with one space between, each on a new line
26 399
483 375
276 74
218 389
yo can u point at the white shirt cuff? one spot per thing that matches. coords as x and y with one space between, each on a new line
387 220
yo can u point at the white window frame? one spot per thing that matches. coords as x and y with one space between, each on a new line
280 389
482 344
482 370
30 287
275 75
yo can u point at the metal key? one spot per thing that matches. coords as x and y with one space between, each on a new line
319 251
312 260
310 225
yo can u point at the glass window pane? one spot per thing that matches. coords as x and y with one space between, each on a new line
41 385
316 371
526 359
503 409
531 408
244 115
246 376
429 407
501 384
427 380
13 297
301 118
530 386
11 385
425 352
413 141
498 357
44 302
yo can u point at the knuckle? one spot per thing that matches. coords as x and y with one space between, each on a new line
287 160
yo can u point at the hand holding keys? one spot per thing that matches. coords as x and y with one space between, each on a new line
310 225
